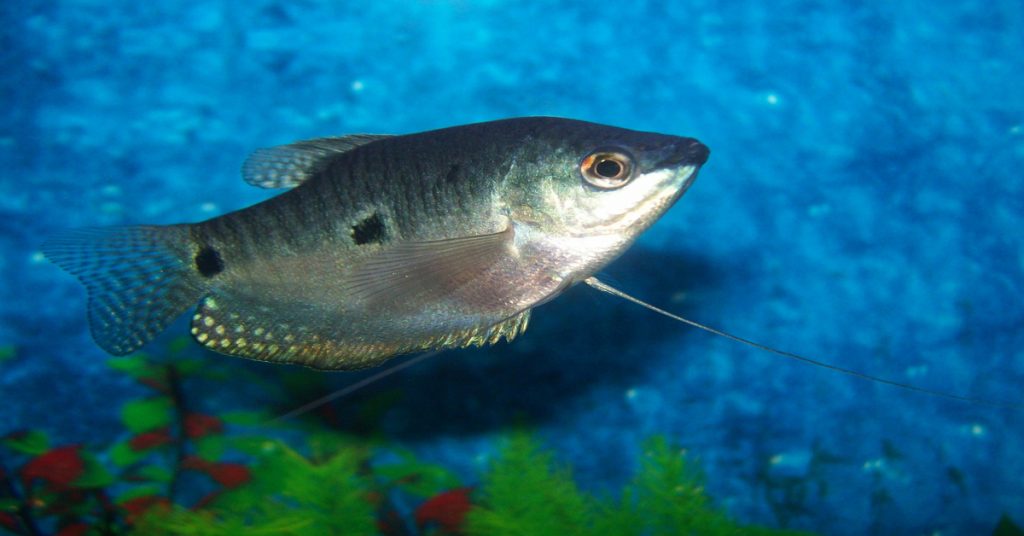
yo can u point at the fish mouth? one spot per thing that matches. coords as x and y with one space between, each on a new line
674 185
680 167
686 152
670 184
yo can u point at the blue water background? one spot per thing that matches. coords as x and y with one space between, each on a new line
864 203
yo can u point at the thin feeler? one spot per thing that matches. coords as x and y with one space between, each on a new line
349 389
594 282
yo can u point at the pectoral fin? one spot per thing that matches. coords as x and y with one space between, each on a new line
425 272
409 297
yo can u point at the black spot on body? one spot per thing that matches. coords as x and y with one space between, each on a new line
209 262
453 174
370 230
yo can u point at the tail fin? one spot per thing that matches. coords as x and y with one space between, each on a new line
138 279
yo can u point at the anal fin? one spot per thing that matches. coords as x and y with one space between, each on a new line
248 330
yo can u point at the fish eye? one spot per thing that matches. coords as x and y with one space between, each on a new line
607 168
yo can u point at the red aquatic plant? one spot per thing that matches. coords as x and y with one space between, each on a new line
73 529
54 490
149 440
8 521
229 475
446 510
68 490
198 425
139 506
58 467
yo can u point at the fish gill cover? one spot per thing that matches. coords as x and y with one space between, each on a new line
863 206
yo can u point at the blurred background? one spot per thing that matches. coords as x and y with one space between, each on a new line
863 204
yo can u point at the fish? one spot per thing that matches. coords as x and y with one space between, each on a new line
385 245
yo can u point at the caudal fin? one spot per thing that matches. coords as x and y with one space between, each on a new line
138 279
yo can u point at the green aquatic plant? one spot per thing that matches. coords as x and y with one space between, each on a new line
171 438
181 469
289 494
1007 527
71 489
527 492
51 489
7 352
668 494
335 486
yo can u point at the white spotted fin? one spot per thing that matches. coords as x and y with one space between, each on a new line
245 329
286 166
138 279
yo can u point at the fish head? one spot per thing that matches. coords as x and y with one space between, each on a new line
578 180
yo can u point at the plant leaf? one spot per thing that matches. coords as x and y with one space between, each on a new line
200 425
245 418
95 475
445 510
1007 527
416 477
230 475
151 439
179 345
211 448
140 491
255 446
124 455
32 442
147 414
189 367
526 492
60 466
154 473
135 365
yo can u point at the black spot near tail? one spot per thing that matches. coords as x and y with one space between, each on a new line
209 262
370 229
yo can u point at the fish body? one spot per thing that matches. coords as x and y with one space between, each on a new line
387 244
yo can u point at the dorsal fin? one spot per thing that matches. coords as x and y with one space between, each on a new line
285 166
